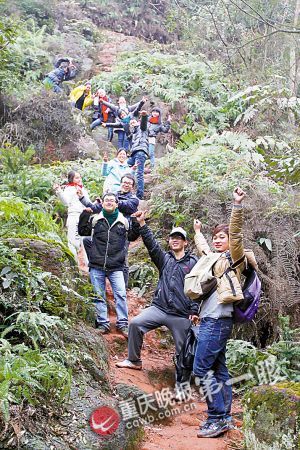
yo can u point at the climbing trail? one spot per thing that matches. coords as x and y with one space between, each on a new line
113 45
177 433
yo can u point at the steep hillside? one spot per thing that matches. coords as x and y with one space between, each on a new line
234 122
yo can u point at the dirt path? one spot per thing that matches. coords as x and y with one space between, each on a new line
180 432
114 44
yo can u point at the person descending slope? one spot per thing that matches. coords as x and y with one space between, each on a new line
114 170
102 113
139 150
156 126
107 259
64 72
122 123
81 96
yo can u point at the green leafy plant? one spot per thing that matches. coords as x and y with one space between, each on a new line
13 159
31 376
142 276
39 328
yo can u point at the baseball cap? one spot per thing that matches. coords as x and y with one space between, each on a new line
179 230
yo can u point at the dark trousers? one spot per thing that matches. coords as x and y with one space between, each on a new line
150 319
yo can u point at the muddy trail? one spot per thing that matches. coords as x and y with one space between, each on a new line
179 431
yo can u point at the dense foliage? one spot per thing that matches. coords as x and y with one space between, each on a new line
228 75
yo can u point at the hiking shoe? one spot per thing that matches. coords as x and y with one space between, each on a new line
101 328
213 429
126 364
124 331
230 422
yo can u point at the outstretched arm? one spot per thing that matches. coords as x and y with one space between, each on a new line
236 245
111 106
200 241
128 206
157 254
144 121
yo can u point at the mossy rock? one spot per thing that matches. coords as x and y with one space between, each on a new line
49 256
272 417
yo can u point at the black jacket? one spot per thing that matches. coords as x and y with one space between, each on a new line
108 242
155 128
140 141
169 295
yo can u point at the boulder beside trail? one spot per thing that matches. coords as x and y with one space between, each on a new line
271 419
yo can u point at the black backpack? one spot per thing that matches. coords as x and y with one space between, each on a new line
185 360
85 224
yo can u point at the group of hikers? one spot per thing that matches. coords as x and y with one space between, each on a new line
106 226
136 129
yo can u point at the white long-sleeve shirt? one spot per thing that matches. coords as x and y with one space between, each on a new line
69 197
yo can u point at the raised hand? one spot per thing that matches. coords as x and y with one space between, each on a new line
79 192
140 217
197 225
56 187
238 195
105 157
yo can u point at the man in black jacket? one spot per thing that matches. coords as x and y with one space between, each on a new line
106 260
170 307
127 203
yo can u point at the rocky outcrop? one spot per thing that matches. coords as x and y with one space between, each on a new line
271 420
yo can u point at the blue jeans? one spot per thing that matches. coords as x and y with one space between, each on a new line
110 134
116 279
95 123
152 154
123 140
140 158
210 366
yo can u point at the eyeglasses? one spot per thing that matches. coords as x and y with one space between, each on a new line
109 200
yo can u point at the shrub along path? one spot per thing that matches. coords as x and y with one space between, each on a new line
179 432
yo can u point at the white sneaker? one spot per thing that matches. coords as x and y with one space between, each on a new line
126 364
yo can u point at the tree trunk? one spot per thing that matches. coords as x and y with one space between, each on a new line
294 54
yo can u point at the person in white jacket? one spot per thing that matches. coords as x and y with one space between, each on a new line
68 196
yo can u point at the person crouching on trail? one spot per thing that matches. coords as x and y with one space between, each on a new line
81 96
156 126
106 260
170 307
65 72
102 113
216 319
139 150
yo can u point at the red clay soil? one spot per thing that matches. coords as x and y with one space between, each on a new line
180 432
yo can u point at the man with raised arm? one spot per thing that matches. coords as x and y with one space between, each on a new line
170 307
